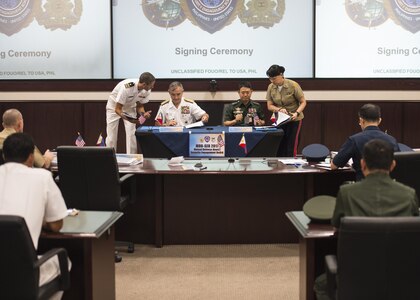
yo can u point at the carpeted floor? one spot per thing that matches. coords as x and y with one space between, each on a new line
209 272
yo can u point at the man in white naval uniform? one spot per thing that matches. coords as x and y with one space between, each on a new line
126 101
179 111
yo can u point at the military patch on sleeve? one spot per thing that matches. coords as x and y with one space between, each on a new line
129 85
189 100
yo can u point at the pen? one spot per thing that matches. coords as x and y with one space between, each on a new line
203 168
296 165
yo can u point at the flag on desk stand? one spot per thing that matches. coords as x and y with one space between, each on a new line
159 118
79 141
101 141
273 118
242 143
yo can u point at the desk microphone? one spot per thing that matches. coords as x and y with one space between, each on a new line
231 160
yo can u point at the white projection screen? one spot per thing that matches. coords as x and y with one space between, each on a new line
55 39
367 39
212 38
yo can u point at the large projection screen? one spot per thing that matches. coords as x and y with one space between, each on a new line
212 38
367 39
50 39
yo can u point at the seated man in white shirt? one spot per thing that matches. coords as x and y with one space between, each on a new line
32 194
179 111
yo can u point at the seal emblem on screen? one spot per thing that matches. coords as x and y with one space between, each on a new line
405 13
366 13
262 13
16 15
163 13
60 14
211 15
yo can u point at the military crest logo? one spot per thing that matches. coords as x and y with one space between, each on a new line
16 15
211 15
262 13
163 13
405 13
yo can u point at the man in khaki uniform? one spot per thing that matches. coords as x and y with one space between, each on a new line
376 196
12 123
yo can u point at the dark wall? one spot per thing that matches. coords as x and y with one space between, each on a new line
330 123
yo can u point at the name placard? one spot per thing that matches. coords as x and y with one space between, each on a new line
207 144
240 129
171 129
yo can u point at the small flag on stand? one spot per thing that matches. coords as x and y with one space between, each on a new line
101 141
159 118
79 141
242 143
273 118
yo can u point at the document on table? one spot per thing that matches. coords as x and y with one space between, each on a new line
129 159
281 119
196 124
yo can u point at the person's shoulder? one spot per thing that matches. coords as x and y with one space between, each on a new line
129 84
350 187
189 100
164 102
235 103
404 188
255 103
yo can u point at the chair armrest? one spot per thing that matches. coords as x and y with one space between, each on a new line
131 180
331 270
63 263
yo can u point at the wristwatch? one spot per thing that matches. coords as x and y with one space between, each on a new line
298 113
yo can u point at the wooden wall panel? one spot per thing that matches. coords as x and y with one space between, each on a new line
411 124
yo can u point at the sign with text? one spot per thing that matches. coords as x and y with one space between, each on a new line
207 144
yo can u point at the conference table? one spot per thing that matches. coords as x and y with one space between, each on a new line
208 141
315 241
225 201
89 238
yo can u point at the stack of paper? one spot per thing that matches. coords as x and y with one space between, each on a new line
129 159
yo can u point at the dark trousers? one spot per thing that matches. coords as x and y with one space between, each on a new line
289 143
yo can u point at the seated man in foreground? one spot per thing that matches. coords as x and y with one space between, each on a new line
32 194
179 111
369 120
378 195
244 112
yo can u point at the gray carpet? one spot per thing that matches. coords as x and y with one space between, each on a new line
209 272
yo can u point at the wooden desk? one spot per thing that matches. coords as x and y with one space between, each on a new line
90 243
315 241
239 202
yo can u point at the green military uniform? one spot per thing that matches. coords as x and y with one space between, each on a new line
39 160
238 107
375 196
287 96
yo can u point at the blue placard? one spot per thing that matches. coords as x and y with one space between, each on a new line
207 144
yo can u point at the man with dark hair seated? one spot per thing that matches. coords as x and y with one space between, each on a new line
32 194
369 120
378 195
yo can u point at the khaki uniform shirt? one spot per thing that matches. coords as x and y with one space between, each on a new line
238 107
287 96
187 112
378 195
39 160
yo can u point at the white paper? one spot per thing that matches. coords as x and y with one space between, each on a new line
129 159
281 118
176 161
196 124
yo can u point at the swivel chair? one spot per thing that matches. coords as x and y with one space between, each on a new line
407 169
377 259
89 180
20 266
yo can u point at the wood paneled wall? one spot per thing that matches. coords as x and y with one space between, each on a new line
329 123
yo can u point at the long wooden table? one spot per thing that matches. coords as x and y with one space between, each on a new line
315 241
90 243
243 201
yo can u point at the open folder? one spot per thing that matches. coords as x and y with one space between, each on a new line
282 118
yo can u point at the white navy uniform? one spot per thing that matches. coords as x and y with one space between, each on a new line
187 112
127 94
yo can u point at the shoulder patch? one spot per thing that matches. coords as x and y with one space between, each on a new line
256 103
164 102
129 85
188 100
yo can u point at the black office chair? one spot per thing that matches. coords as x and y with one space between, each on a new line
377 259
20 266
407 170
89 180
268 146
225 107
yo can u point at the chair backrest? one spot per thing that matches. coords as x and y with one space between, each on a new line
89 178
18 278
225 107
378 258
268 146
407 170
